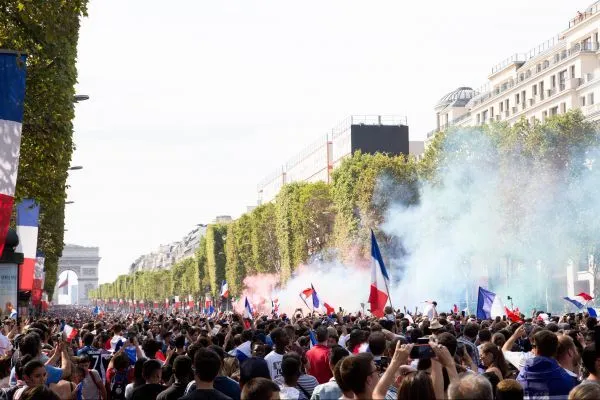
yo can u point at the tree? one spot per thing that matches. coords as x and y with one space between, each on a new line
234 269
215 255
264 240
47 31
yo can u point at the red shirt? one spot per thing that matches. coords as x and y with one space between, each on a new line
318 360
111 372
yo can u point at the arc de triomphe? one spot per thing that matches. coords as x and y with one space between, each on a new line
84 262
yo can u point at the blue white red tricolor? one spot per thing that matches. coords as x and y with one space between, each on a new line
12 95
224 289
489 305
378 295
28 212
580 300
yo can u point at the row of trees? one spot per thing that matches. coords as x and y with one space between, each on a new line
47 31
308 220
304 221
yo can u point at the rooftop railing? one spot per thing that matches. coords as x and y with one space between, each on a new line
530 73
443 127
582 16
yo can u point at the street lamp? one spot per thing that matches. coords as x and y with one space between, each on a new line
75 168
80 97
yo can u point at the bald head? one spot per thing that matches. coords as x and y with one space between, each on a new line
471 387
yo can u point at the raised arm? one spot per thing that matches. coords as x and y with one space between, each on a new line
511 340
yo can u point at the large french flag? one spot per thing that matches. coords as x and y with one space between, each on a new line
378 295
489 305
12 95
580 300
28 213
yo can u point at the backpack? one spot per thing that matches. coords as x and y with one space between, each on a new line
117 385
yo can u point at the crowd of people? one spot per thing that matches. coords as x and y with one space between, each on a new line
191 356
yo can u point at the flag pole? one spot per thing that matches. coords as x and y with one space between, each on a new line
304 301
388 292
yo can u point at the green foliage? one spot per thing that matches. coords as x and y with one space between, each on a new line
215 255
47 31
265 246
307 218
363 188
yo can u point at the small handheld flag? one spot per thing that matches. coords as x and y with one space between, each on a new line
224 289
315 298
247 310
69 332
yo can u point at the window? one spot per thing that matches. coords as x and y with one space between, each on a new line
492 112
562 78
554 110
544 115
553 81
582 101
484 118
590 99
506 104
572 71
517 98
563 108
542 90
478 119
587 44
534 90
501 105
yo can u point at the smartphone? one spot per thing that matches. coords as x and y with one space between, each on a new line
422 350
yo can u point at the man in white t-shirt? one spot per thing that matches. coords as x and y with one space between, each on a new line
274 358
516 358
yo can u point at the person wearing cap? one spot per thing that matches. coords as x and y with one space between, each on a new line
182 368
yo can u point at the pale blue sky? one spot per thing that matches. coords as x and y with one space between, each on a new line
193 102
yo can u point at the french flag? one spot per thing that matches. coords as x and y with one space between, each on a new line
379 294
224 289
247 310
12 95
28 213
489 305
70 333
580 300
315 298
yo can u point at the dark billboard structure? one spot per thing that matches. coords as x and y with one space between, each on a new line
371 139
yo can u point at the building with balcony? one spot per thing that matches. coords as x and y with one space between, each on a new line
560 74
369 134
169 254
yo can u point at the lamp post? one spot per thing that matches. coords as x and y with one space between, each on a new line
78 98
9 275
